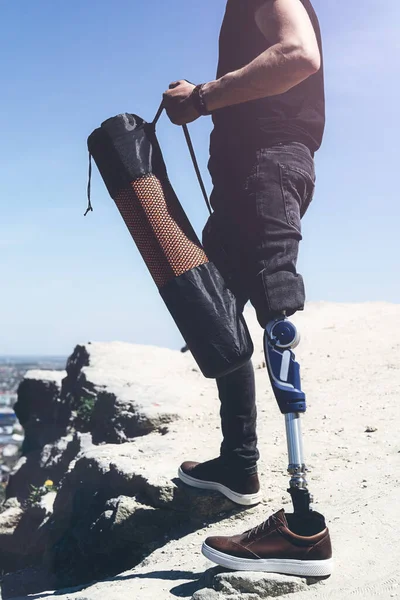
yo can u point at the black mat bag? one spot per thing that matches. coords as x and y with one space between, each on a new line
128 156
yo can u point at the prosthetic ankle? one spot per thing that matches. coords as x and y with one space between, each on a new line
280 338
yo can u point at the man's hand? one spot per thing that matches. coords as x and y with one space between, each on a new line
178 103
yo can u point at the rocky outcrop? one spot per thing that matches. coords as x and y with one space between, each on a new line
116 411
97 431
116 392
121 517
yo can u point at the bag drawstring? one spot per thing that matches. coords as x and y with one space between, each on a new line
89 206
192 156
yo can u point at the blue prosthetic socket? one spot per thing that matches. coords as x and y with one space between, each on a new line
284 372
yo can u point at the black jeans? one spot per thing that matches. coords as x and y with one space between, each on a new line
253 237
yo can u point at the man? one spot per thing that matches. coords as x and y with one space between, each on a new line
267 105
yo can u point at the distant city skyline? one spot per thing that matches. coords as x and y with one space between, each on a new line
28 357
66 67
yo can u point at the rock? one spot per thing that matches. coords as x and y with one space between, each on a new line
207 594
113 509
81 443
118 392
12 503
21 543
114 470
210 594
370 429
9 520
105 538
40 410
117 419
50 462
262 585
10 450
246 585
47 502
27 581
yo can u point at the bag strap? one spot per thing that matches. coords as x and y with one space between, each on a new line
196 166
158 114
192 156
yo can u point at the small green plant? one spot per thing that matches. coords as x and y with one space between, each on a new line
38 491
85 410
3 486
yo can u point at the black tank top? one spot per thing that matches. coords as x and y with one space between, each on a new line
295 116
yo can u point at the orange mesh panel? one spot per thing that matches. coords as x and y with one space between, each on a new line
160 229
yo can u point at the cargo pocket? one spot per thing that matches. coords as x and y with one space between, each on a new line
297 191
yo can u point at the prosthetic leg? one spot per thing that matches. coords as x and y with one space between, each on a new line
292 544
280 338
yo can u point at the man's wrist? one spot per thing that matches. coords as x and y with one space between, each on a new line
199 101
213 94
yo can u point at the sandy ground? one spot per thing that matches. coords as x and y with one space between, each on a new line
350 359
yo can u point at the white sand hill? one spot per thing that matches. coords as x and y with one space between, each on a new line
350 361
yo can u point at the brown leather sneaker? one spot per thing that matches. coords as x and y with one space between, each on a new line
286 544
236 485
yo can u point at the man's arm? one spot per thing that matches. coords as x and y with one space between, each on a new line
293 56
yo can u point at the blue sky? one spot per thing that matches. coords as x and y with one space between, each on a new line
67 66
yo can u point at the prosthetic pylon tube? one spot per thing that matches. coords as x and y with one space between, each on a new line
280 338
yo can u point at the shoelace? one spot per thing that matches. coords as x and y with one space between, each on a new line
259 528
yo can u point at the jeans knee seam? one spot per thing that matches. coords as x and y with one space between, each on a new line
290 222
263 262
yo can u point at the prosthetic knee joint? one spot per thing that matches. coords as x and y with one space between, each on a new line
280 338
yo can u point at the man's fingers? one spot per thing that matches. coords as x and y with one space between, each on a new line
168 93
173 117
167 97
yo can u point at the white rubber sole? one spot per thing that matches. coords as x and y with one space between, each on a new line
305 568
243 499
